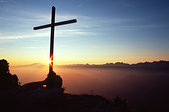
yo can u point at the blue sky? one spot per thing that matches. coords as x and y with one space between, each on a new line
107 31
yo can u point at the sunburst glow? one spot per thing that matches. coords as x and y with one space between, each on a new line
49 61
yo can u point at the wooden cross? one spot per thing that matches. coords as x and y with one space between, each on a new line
52 25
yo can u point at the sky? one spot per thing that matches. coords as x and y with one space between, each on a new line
129 31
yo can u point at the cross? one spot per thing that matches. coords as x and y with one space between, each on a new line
52 25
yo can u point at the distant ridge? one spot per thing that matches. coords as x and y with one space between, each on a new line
155 65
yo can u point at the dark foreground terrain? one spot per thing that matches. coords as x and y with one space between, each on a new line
48 96
52 100
148 91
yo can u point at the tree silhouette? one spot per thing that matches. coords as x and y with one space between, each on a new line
7 80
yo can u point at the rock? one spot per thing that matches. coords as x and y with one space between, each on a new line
7 80
53 80
46 92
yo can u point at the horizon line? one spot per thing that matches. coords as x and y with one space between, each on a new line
40 64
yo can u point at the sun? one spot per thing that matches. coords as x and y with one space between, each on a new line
49 61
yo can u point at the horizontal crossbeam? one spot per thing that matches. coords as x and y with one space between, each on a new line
56 24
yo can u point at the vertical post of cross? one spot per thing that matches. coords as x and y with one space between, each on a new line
52 39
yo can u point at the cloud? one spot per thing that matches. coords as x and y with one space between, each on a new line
37 17
32 17
71 32
3 1
6 36
27 20
86 25
29 65
33 47
138 27
39 34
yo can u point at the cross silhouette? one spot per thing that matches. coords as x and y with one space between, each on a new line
52 25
